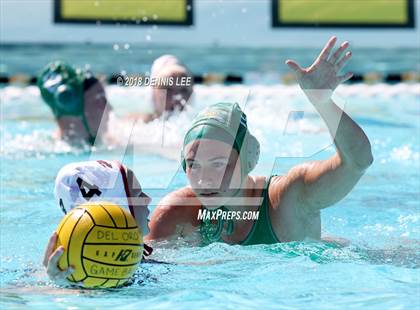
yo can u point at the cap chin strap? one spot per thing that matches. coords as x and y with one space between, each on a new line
211 232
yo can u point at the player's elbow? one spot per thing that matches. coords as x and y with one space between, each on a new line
369 160
366 159
359 160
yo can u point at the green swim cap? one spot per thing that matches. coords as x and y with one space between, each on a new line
61 88
225 122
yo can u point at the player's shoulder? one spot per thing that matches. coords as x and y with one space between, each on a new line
277 187
286 190
295 176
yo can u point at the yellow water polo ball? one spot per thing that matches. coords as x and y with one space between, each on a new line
102 242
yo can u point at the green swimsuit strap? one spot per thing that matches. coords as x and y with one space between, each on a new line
262 231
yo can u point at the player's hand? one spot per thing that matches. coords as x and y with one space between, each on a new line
323 76
51 258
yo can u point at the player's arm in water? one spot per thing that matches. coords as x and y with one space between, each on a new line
175 216
322 183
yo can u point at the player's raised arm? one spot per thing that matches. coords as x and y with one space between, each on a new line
322 183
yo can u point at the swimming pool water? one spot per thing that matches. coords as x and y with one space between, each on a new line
380 217
136 58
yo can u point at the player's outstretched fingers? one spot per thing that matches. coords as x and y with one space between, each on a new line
340 64
327 49
339 52
345 77
67 272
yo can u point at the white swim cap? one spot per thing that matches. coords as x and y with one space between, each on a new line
78 183
163 63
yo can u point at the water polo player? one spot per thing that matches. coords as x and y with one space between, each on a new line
80 107
77 100
219 153
102 180
177 96
168 97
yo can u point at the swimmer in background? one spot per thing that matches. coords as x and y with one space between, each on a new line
78 183
219 152
81 109
78 102
168 98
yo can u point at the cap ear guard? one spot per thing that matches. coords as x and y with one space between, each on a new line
252 152
66 99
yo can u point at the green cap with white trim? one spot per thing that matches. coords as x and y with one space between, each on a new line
225 122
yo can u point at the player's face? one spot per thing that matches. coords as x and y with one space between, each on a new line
213 171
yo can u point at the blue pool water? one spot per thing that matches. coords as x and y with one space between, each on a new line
136 58
380 217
